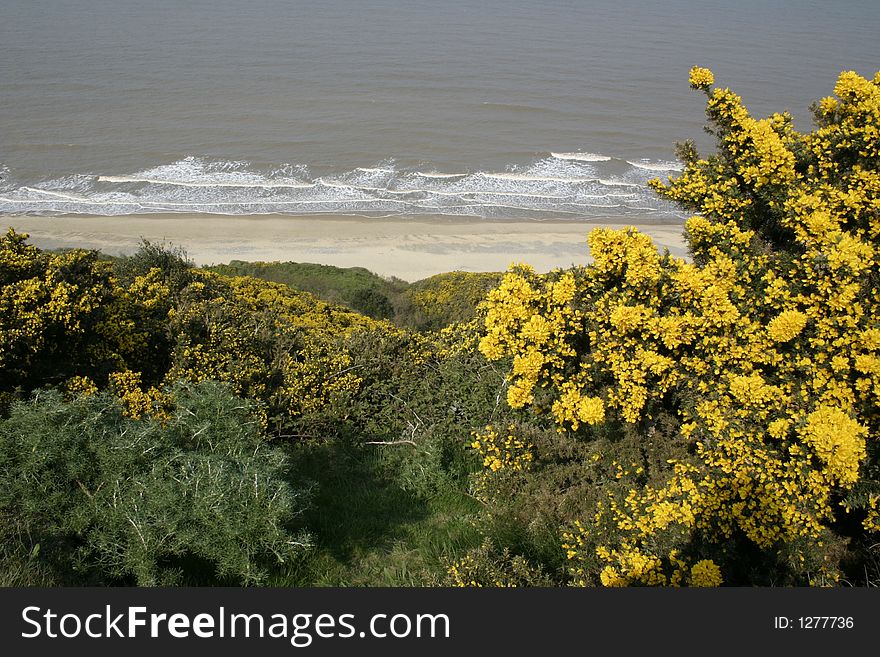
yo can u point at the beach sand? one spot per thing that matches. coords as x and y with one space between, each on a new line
408 248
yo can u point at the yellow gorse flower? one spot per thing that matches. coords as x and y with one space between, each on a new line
701 78
768 340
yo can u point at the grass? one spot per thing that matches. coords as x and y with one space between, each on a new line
369 531
19 566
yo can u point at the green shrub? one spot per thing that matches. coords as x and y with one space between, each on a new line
488 565
199 497
429 304
172 261
444 299
354 287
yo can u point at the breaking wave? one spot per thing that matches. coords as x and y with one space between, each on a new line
557 185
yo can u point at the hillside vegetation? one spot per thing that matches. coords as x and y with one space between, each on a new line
429 304
644 420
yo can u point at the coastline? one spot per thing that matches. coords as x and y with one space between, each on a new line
410 248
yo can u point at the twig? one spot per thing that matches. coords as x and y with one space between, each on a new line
84 489
390 442
347 369
137 530
411 410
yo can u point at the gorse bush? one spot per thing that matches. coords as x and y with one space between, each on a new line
270 343
354 287
74 314
63 315
75 320
764 348
426 305
445 299
112 499
643 420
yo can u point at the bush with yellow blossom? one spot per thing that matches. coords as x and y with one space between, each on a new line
267 341
149 320
66 314
764 345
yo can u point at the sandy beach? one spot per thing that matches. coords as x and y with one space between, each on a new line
408 248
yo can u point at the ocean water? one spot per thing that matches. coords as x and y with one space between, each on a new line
486 109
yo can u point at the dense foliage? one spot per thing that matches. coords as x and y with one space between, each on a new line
762 352
644 420
358 404
429 304
355 287
109 498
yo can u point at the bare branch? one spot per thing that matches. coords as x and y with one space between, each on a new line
390 442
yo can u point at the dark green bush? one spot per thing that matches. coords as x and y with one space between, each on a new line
172 261
199 497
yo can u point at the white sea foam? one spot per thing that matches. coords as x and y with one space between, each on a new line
525 177
551 186
581 157
407 192
48 192
374 170
181 183
435 174
525 194
648 165
30 201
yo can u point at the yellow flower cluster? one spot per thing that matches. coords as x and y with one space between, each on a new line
786 325
136 402
573 408
706 573
701 78
630 565
838 441
871 523
766 344
508 453
460 573
534 321
81 386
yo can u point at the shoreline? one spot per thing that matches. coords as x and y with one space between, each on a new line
410 248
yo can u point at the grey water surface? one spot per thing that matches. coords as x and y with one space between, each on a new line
490 108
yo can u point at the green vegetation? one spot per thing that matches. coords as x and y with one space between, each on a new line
112 499
364 416
644 420
370 528
445 299
429 304
355 287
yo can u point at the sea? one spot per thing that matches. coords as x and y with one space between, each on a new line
481 109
